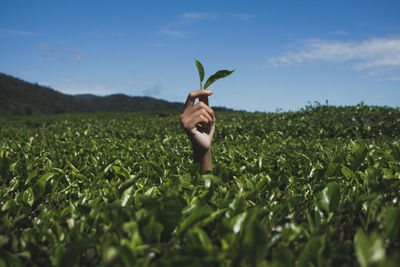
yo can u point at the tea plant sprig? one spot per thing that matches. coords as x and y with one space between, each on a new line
216 76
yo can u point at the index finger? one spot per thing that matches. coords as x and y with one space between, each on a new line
196 94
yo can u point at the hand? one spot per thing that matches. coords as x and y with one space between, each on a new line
198 120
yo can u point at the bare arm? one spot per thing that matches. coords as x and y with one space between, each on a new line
198 121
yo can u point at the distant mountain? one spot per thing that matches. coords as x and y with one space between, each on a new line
18 97
86 96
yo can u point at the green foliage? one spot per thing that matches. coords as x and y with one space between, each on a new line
317 187
18 97
369 249
328 199
216 76
200 68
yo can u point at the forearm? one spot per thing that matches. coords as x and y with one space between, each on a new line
198 121
204 157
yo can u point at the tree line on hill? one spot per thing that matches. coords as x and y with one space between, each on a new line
18 97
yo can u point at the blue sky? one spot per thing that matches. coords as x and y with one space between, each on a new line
285 53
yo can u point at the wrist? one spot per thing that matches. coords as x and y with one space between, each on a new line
204 157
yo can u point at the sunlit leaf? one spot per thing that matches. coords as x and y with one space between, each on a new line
200 70
329 197
218 75
369 249
28 196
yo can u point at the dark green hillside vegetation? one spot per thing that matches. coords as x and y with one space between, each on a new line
18 97
318 187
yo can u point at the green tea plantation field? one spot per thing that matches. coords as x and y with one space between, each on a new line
316 187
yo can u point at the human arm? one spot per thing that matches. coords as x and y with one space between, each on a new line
198 121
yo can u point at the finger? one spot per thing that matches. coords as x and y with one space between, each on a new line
202 105
201 116
196 94
205 114
203 120
212 129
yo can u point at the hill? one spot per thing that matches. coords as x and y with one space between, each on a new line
18 97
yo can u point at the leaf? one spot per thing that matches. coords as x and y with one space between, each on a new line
32 175
197 212
201 71
185 180
349 174
210 180
126 196
152 231
237 222
391 223
218 75
369 249
237 206
44 178
290 231
9 259
28 196
312 254
255 242
329 197
70 255
9 205
203 238
3 240
282 256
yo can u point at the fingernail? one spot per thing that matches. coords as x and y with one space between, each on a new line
210 92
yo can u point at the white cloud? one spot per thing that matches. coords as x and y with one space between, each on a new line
46 51
340 33
172 33
153 90
15 32
77 55
193 16
377 56
80 85
244 16
77 86
177 28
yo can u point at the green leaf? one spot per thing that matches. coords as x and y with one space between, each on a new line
9 205
290 231
185 180
32 175
3 240
70 255
237 222
201 72
28 196
329 197
196 213
9 259
282 256
203 238
152 231
391 223
312 254
349 174
218 75
126 196
255 242
369 249
44 178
